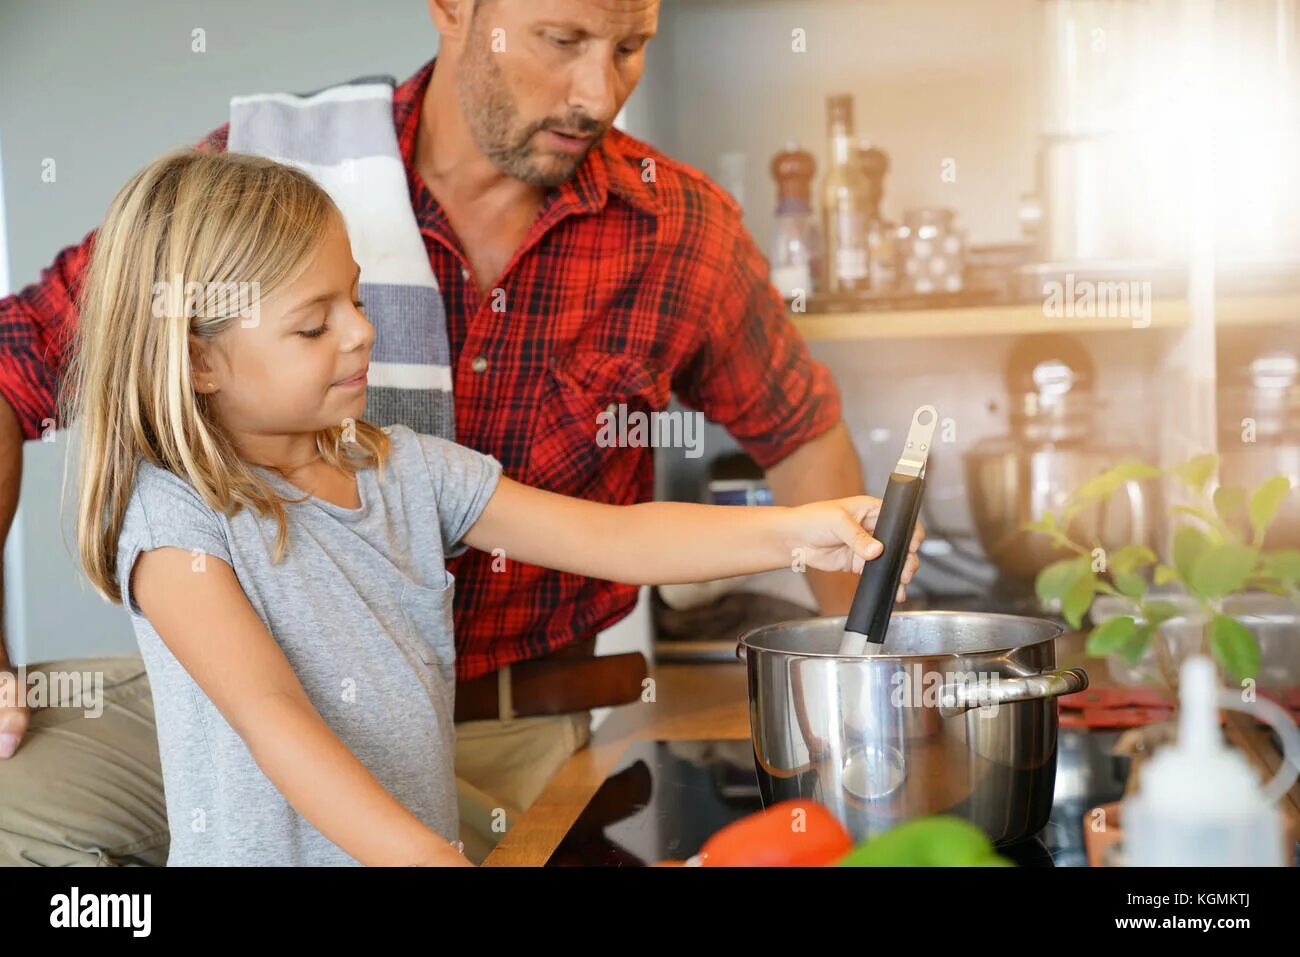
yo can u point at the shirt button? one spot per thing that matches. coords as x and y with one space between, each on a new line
479 364
464 273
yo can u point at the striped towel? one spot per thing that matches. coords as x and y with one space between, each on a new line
344 138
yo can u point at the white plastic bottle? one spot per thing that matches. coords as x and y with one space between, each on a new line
1200 802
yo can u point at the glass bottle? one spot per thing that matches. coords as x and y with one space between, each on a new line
795 240
882 258
845 204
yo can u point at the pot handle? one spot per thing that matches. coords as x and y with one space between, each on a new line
957 699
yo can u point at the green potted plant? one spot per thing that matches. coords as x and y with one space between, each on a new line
1218 561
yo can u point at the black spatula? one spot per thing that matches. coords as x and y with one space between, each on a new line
873 603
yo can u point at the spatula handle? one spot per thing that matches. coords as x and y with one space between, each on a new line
873 603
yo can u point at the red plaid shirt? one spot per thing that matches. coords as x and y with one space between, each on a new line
628 287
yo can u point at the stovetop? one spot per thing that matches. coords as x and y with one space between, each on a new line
664 799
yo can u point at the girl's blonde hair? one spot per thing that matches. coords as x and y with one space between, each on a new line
212 219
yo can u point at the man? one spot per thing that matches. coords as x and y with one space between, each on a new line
625 276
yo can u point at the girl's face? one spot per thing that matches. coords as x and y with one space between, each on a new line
293 369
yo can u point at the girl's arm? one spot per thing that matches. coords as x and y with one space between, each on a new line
662 543
205 619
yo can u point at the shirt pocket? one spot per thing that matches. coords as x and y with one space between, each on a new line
428 613
568 452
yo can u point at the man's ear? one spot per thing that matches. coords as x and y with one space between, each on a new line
451 17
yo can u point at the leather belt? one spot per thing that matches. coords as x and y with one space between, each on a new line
571 679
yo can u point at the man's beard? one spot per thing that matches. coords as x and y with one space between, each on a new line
500 134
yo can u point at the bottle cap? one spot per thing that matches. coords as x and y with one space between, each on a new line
793 170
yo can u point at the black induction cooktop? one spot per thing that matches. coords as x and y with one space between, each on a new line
664 799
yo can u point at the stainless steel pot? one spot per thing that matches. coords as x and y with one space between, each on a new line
956 715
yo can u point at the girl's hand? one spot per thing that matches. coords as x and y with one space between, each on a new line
835 536
442 854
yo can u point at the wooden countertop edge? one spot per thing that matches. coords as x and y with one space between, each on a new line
691 702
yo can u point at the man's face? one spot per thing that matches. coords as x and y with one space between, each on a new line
541 81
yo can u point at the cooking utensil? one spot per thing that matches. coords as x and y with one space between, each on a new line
1052 449
873 602
883 738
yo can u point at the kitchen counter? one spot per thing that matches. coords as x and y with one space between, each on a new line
707 701
691 702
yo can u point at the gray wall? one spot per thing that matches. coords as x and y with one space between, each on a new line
103 86
931 80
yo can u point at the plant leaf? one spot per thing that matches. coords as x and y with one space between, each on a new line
1229 501
1078 599
1103 587
934 841
1283 564
1131 585
1104 485
1197 471
1111 635
1265 503
1058 578
1235 647
1070 511
1209 518
1222 569
1047 524
1157 613
1165 575
1049 527
1130 558
1189 544
1136 647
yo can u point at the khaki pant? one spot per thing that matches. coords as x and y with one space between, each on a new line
513 760
88 791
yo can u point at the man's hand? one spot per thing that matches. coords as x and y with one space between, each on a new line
14 715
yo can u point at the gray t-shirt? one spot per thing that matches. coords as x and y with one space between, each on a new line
361 606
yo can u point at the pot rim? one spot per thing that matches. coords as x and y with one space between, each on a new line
1057 629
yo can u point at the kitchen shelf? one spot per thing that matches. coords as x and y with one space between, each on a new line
1024 318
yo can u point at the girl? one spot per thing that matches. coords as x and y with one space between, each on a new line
282 559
